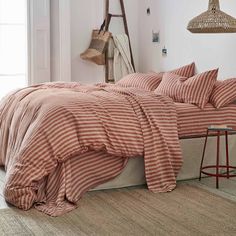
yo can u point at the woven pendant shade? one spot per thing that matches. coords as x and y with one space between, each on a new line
213 21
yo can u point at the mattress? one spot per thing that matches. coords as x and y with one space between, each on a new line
193 121
192 125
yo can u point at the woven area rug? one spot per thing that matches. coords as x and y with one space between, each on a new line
188 210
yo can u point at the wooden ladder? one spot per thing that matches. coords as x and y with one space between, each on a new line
108 17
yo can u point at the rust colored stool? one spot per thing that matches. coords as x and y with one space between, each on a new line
219 131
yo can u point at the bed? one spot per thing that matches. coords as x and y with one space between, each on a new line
59 142
192 124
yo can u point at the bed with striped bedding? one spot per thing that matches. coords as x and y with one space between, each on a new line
193 121
58 142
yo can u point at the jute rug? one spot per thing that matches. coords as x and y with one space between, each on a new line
188 211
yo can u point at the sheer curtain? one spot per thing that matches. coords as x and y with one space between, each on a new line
13 45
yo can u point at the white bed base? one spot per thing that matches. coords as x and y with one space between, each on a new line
133 174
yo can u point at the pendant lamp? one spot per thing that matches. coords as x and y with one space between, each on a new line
213 21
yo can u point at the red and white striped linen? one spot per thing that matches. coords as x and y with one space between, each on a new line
59 85
56 143
185 71
193 121
148 81
224 93
194 90
151 81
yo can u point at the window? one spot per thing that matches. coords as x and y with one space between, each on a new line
13 45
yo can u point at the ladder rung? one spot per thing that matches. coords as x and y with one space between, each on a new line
108 18
116 15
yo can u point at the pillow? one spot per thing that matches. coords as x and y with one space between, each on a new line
143 81
152 80
185 71
195 90
224 93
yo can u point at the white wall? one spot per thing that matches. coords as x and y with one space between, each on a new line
171 17
60 40
87 15
54 15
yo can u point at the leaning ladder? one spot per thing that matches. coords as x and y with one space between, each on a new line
108 17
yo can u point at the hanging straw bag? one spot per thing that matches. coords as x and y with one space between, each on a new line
98 45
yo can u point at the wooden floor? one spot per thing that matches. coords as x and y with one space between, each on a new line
227 187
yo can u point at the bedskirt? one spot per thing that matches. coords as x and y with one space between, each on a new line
134 174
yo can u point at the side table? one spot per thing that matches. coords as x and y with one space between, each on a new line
219 131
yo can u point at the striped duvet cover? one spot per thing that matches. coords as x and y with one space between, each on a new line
58 142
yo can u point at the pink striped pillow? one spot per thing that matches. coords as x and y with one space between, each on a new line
185 71
152 80
143 81
224 93
195 90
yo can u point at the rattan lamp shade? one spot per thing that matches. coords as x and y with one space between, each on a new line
213 21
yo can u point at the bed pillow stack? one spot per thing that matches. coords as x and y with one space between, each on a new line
224 93
151 81
185 71
195 90
148 81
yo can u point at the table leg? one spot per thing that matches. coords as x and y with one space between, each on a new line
217 159
203 154
227 153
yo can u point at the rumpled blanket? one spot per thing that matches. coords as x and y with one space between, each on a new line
57 142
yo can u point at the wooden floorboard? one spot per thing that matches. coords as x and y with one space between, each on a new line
227 187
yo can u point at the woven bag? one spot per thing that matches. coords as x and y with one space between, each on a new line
98 45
